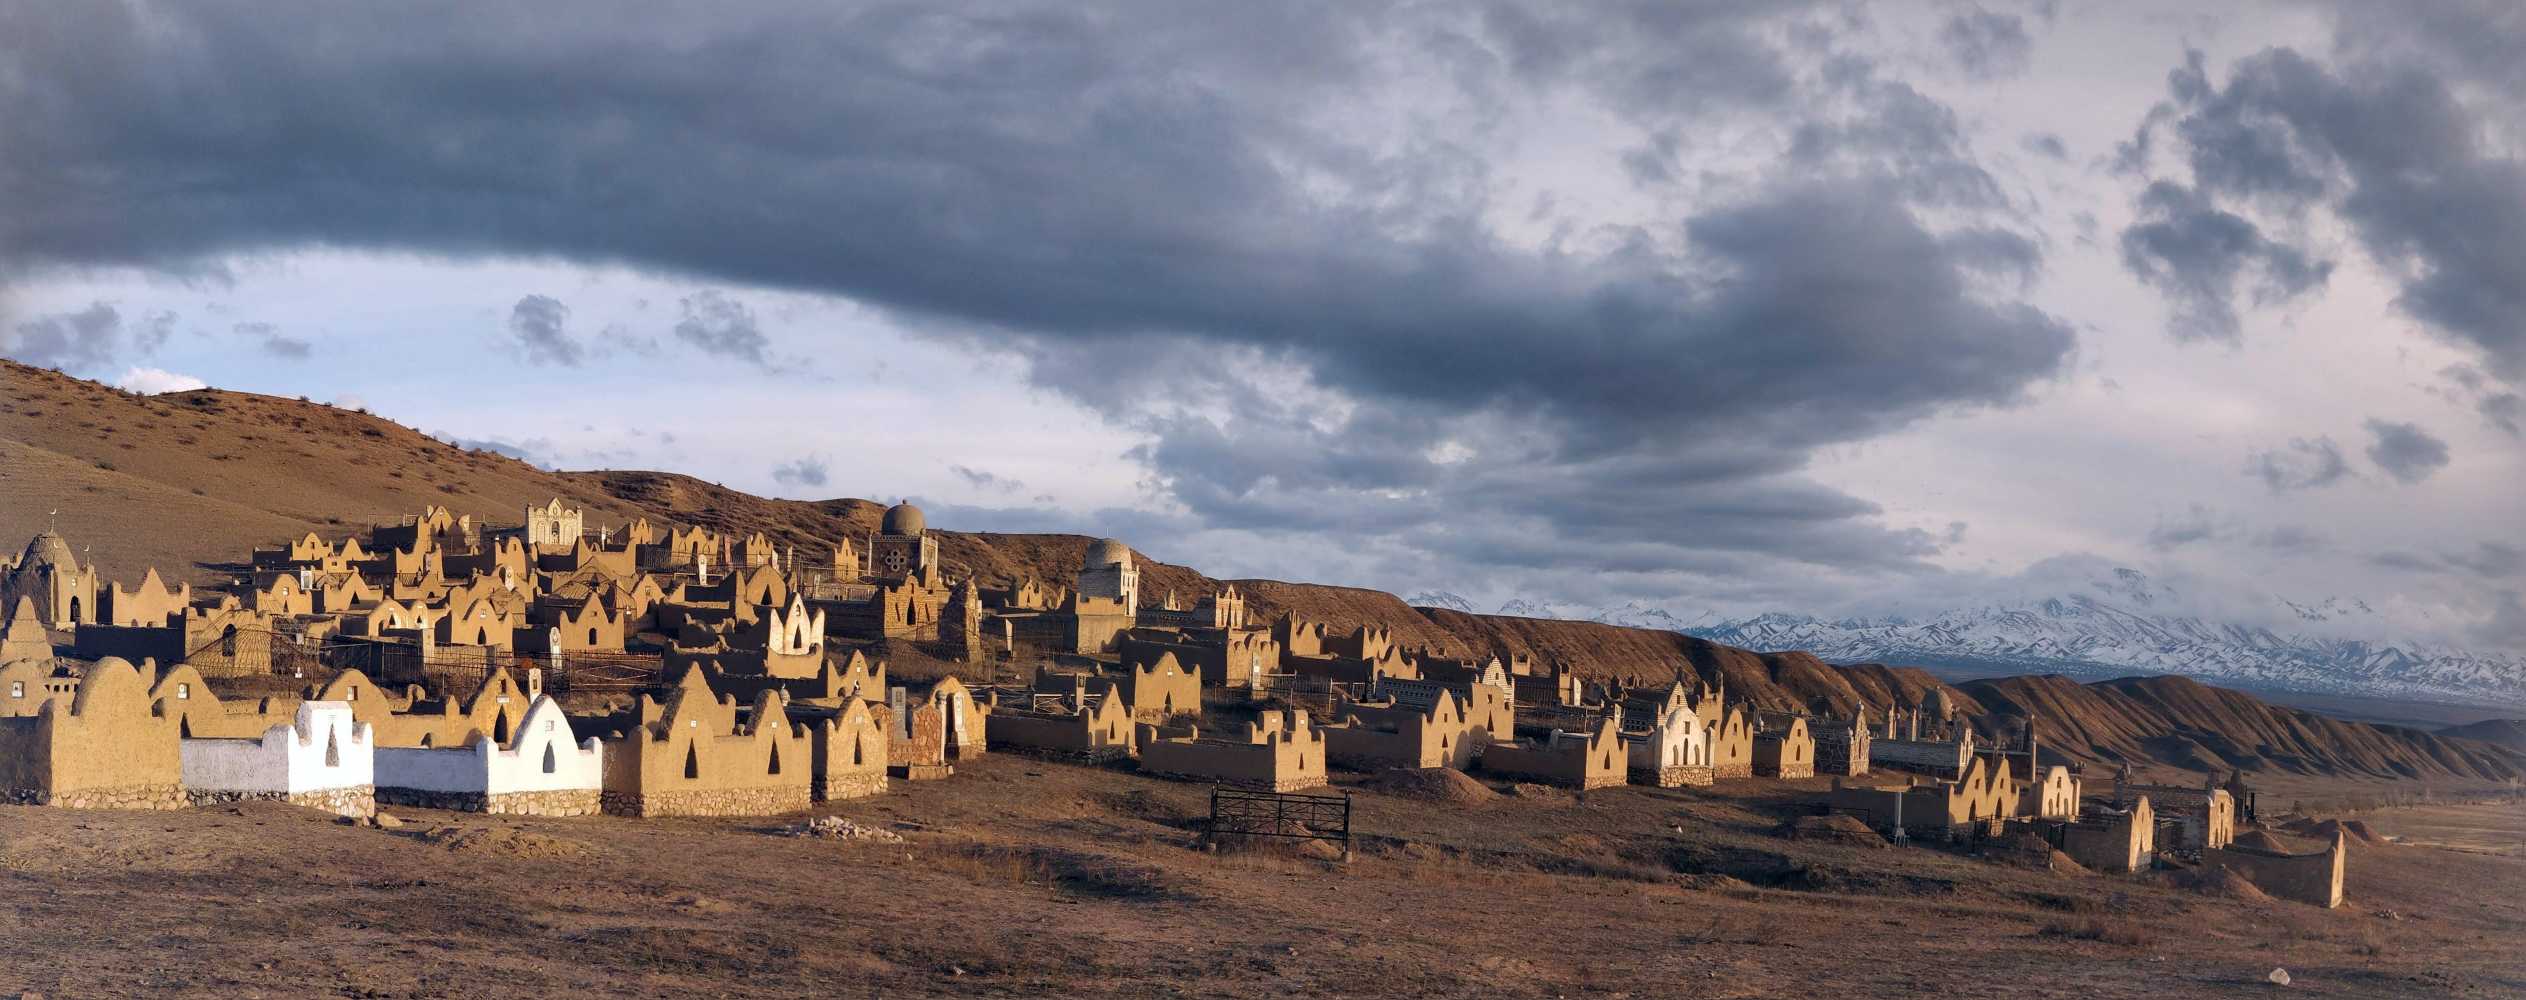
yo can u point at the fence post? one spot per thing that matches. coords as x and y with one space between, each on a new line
1346 828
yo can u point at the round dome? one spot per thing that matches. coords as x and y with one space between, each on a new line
1106 552
47 549
904 519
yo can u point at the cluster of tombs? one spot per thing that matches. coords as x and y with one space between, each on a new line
144 737
441 588
755 710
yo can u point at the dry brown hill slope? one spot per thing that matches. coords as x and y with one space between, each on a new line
2180 721
2510 733
186 481
186 478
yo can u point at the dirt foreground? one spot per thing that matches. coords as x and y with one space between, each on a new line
1024 878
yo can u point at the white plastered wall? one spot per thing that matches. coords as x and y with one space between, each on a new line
324 748
543 736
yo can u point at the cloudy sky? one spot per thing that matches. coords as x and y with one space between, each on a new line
1719 307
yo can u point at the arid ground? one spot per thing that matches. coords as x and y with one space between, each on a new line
1019 877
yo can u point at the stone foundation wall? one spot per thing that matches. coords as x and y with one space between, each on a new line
426 799
762 801
851 786
359 801
922 772
1740 769
551 802
1679 776
152 797
1791 771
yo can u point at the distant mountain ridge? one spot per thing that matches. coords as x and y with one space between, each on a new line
2120 624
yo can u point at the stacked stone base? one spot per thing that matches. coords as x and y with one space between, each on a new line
850 786
766 801
549 802
922 772
1791 771
1679 776
149 797
1743 769
357 801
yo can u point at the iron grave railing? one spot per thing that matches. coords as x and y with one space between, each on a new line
1241 812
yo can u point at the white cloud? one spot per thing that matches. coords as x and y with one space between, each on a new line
152 381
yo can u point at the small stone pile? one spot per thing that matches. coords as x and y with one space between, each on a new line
838 828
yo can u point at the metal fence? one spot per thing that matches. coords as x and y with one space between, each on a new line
251 652
1239 812
587 672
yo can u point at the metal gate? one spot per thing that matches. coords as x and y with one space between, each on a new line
1240 812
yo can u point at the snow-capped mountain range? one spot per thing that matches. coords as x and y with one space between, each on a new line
2120 625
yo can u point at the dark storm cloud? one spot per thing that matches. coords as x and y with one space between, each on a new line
2507 624
1987 44
2306 464
2385 142
718 325
2500 407
539 324
88 338
2488 560
2197 524
2506 411
2293 539
1900 131
2407 561
272 341
2198 255
1647 58
1155 207
982 480
810 470
2407 452
2491 559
